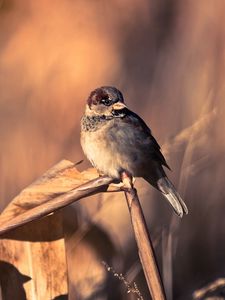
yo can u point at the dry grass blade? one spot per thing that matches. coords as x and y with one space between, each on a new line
183 137
58 187
213 287
188 139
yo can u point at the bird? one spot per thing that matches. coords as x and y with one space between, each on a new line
116 140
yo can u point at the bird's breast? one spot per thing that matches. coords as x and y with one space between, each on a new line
112 148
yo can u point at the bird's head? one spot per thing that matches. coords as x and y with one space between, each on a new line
105 101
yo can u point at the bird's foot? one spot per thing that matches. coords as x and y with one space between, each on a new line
127 180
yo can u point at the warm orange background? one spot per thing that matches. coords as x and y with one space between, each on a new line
168 59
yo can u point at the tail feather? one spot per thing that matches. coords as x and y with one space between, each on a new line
169 191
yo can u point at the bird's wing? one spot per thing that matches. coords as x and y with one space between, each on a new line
141 126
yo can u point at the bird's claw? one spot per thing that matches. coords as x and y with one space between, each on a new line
127 180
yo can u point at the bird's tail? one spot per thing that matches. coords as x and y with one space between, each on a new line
170 193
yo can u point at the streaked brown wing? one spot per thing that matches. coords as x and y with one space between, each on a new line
145 133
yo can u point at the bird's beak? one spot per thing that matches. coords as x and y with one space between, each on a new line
118 106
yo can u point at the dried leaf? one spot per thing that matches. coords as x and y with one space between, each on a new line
58 187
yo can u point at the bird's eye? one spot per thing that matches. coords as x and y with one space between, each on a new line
106 101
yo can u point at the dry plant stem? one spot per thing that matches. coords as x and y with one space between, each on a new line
212 287
145 248
90 188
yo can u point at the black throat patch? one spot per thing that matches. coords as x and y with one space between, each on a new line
92 123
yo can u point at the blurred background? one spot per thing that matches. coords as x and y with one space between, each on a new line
168 59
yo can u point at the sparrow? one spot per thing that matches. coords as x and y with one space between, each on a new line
117 140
